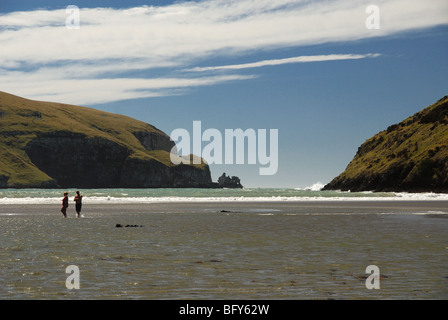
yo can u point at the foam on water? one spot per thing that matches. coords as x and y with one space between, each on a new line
100 196
315 187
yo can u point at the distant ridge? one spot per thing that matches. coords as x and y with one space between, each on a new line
54 145
411 156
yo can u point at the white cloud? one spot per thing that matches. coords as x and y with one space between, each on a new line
276 62
46 87
36 47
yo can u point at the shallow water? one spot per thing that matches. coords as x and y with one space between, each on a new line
139 196
250 251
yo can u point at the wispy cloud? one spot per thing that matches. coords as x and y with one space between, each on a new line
276 62
114 45
87 91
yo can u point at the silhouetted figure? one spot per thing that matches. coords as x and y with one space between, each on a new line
78 203
65 204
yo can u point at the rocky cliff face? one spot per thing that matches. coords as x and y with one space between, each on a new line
138 173
154 141
411 156
52 145
3 181
72 159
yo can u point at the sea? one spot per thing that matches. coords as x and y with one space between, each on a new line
235 244
313 193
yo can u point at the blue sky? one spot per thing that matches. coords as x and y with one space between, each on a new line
167 63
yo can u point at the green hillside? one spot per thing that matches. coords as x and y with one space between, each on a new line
35 133
409 156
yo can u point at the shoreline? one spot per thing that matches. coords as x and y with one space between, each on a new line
331 206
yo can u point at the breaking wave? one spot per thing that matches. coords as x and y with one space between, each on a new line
312 193
318 186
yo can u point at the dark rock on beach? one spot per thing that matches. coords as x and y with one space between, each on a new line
118 225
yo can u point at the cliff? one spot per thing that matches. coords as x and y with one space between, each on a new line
52 145
411 156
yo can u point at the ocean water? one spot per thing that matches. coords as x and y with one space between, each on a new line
223 244
46 196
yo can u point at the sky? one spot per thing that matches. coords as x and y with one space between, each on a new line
327 75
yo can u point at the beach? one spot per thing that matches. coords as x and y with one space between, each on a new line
226 250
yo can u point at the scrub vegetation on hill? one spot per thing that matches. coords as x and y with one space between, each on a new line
411 156
45 144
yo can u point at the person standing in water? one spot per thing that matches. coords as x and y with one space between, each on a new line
78 203
65 204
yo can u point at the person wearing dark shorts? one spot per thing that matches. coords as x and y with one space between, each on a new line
78 203
65 205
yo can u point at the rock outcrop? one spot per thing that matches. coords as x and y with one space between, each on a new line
411 156
229 182
51 145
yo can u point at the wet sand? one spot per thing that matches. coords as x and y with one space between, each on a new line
346 206
226 250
